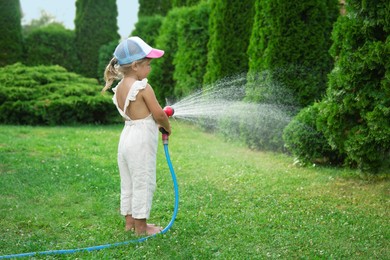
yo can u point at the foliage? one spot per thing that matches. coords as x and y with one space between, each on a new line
95 25
148 27
161 77
153 7
51 45
191 55
355 114
181 3
230 25
11 41
44 20
304 141
290 40
49 95
105 56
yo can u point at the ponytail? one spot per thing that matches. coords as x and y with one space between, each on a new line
111 73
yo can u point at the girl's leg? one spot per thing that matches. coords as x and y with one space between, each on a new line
130 225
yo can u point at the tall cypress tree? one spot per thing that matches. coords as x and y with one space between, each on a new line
95 25
152 7
11 40
355 113
230 26
289 48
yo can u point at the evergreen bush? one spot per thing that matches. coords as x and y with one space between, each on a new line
161 76
106 53
191 55
148 27
11 41
290 42
153 7
49 95
304 141
51 45
95 25
230 25
355 113
182 3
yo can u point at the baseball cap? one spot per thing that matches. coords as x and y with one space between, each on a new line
134 48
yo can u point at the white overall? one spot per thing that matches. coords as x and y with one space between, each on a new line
137 152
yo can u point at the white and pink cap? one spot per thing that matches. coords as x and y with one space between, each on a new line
134 48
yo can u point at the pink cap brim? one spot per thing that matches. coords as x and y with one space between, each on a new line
155 53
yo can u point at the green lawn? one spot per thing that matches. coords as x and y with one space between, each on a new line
59 189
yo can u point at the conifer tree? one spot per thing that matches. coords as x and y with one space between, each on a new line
11 41
95 25
153 7
355 113
230 27
289 49
180 3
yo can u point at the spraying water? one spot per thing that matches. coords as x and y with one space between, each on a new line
221 107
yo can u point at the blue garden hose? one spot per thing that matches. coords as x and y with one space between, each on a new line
95 248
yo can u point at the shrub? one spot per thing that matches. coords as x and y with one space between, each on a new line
11 41
230 25
191 55
161 76
51 45
106 53
304 141
181 3
49 95
148 27
153 7
95 25
355 113
290 41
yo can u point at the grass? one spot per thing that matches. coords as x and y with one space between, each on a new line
59 189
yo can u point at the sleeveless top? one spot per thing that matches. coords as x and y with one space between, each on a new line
131 96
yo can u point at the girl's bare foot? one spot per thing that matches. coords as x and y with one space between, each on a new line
130 223
141 228
152 229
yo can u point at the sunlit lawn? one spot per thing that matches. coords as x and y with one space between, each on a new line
59 189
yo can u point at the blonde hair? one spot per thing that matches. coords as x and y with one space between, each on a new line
114 71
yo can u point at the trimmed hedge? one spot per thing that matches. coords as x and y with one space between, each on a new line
49 95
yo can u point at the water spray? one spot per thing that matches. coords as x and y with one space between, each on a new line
169 111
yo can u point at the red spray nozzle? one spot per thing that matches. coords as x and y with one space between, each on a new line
169 111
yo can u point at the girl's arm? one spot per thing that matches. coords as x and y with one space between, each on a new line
155 108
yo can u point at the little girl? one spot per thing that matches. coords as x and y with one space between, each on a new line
137 149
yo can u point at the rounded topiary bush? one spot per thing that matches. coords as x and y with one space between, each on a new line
50 95
304 141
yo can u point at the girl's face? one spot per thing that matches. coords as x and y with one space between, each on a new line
144 69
